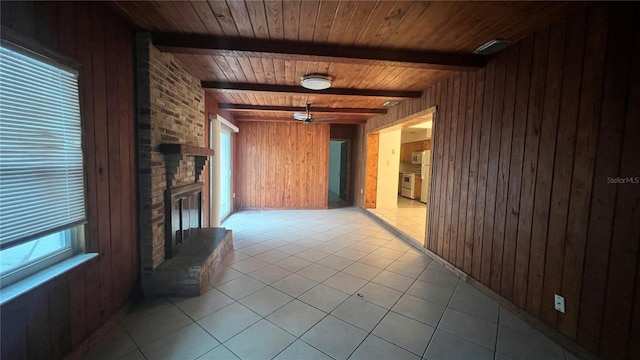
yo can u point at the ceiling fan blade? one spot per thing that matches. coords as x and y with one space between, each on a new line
329 118
300 116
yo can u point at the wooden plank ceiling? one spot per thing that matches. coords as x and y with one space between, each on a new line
254 52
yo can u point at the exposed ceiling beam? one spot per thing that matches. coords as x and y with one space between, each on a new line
305 51
246 107
284 119
220 85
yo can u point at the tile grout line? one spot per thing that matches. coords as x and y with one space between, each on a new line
171 303
316 323
440 320
133 341
350 295
205 330
269 285
388 311
495 353
329 313
295 298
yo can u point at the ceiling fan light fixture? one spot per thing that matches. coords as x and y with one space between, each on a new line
315 82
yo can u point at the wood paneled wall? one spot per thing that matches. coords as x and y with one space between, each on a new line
49 321
609 316
281 165
342 131
527 153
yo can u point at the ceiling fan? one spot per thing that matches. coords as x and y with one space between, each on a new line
306 117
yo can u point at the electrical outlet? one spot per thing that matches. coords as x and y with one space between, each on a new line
559 303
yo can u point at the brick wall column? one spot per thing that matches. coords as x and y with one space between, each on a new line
170 109
143 141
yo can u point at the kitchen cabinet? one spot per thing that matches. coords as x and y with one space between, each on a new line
407 149
417 188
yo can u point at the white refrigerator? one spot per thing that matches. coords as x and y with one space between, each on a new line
425 172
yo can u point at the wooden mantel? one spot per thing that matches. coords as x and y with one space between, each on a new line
184 149
173 153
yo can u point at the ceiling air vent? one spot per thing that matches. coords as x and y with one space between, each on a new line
492 46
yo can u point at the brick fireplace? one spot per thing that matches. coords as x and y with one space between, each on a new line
176 253
182 203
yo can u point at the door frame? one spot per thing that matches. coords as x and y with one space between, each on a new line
371 166
371 171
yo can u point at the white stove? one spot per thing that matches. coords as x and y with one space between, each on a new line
408 185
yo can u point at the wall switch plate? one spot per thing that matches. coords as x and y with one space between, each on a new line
361 191
234 195
559 303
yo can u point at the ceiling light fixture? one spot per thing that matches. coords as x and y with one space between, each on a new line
315 82
390 103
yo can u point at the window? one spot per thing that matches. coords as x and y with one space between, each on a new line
42 190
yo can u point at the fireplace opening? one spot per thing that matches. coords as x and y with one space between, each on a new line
184 216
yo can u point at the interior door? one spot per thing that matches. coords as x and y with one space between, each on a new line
343 171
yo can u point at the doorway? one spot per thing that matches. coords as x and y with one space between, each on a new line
399 174
220 169
225 174
338 170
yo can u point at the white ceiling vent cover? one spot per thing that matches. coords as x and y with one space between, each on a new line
492 46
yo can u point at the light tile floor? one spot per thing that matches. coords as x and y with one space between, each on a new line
325 284
410 217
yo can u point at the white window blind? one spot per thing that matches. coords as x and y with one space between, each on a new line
41 164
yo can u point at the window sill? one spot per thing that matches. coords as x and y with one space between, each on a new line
31 282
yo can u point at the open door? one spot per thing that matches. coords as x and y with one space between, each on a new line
343 171
338 174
